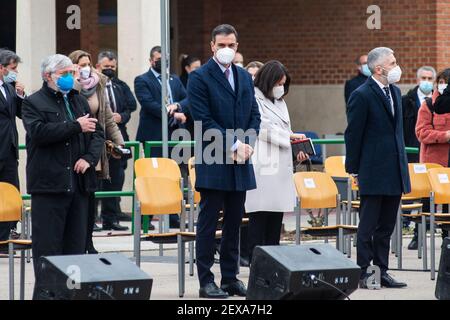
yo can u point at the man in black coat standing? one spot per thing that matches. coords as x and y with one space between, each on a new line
123 104
376 158
64 145
363 74
11 98
411 102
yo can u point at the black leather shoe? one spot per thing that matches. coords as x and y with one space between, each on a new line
212 291
243 262
236 288
114 226
388 282
97 228
413 245
123 217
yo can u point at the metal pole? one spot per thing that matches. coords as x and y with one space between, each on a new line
165 74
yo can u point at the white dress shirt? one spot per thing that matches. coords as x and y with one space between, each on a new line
2 89
382 86
422 95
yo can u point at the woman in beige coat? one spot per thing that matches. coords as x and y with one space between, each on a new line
272 159
92 85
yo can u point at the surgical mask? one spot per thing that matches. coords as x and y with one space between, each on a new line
225 55
394 75
365 70
426 86
10 77
85 73
110 73
442 87
278 92
65 83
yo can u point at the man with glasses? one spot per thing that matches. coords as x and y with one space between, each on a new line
64 145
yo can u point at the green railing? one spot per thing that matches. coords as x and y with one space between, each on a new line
147 151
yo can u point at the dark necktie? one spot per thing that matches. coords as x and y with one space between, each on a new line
6 92
68 108
388 97
111 98
227 74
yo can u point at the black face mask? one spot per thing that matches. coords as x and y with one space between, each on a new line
110 73
157 66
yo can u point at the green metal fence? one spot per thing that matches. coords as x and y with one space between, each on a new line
136 146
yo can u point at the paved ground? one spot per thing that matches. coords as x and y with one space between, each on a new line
165 275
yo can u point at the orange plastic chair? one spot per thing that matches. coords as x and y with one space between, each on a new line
440 194
11 208
317 190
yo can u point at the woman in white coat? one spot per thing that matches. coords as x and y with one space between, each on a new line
272 159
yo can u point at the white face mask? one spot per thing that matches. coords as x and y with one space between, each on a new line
442 87
240 64
225 55
394 75
85 73
278 92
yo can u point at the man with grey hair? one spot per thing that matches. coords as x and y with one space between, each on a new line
376 159
411 103
11 97
64 145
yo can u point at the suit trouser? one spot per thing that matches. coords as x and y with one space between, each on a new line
233 205
378 216
264 229
9 174
111 206
59 224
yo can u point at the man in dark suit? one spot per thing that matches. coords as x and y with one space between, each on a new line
148 89
11 98
363 74
411 103
222 100
123 103
376 157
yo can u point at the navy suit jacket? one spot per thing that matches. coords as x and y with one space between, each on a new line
8 129
148 92
217 106
374 141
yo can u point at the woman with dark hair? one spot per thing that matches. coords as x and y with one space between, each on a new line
188 65
92 85
433 132
272 159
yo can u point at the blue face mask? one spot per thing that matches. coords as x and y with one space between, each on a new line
426 87
65 83
10 77
365 70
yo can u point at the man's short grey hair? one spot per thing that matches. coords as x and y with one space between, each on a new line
54 63
377 56
106 54
7 57
426 69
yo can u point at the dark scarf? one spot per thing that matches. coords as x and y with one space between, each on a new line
442 104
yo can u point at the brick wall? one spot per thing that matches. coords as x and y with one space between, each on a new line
318 40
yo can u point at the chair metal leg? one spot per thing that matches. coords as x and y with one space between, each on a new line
137 233
424 243
326 221
432 240
297 224
11 270
399 238
161 229
181 267
419 241
22 275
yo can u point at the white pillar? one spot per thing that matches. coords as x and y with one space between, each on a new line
139 30
36 39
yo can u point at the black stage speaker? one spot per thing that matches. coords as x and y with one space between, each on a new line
443 279
305 272
91 277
